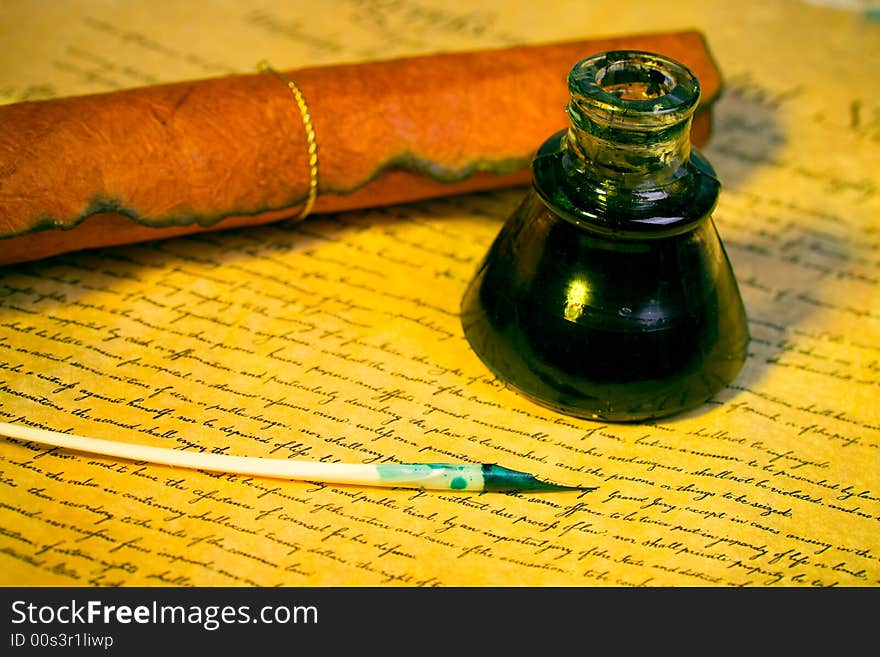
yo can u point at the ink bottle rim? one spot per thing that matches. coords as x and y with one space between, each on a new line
607 86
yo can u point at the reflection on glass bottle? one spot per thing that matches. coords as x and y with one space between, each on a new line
608 293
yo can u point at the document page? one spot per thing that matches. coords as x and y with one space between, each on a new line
338 339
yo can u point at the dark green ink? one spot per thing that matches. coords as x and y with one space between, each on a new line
608 293
499 478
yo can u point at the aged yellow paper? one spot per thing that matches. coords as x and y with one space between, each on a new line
339 339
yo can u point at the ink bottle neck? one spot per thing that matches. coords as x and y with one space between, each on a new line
626 156
630 119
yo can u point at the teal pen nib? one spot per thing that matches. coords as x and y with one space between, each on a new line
499 478
464 477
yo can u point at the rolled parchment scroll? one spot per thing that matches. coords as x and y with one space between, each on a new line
165 160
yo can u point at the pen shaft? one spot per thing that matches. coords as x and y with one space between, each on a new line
433 476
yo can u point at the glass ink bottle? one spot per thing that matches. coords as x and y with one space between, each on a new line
608 293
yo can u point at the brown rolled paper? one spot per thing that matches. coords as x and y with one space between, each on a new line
166 160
